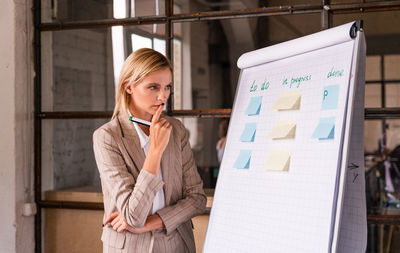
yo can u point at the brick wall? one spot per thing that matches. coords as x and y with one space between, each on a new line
81 82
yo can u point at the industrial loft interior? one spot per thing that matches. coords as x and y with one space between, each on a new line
60 64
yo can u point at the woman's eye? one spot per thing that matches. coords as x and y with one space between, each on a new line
168 87
153 87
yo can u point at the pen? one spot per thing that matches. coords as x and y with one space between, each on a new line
140 121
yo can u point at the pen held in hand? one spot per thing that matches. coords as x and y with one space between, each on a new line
141 121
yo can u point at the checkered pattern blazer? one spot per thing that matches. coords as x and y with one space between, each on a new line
130 190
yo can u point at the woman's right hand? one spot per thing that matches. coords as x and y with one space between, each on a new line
160 130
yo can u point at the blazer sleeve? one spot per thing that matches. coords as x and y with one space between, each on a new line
194 200
132 199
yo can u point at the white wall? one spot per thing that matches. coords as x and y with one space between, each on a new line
7 131
16 145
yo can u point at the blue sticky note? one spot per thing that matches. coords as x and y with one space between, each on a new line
254 106
325 129
243 161
249 132
330 97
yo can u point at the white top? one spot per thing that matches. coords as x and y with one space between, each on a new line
220 153
159 200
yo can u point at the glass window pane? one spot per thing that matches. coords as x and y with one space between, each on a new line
68 163
159 45
177 30
287 27
177 62
79 10
382 36
77 70
210 50
141 36
187 6
147 7
80 67
373 68
393 133
204 135
372 135
75 10
67 155
392 67
392 95
140 42
373 95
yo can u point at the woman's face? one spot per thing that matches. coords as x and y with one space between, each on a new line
150 93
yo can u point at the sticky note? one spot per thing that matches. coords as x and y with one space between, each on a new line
325 129
254 106
330 97
278 160
283 130
288 101
249 132
243 161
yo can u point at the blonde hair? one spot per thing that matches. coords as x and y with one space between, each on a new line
140 63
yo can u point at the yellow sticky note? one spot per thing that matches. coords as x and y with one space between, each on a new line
288 101
278 160
283 130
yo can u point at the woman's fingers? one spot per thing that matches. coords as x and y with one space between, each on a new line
111 217
160 122
156 115
159 132
122 228
164 123
117 225
116 220
120 224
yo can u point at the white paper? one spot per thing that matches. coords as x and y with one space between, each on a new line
294 47
352 226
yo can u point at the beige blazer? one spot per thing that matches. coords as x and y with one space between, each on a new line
130 190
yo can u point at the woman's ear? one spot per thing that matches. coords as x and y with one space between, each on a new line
127 87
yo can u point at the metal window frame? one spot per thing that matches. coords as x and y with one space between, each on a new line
326 9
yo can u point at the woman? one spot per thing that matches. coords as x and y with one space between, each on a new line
150 182
222 132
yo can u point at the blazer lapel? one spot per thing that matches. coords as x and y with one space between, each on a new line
131 142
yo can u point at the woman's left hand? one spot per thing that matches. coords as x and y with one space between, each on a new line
119 224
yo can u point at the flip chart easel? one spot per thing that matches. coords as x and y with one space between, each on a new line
292 175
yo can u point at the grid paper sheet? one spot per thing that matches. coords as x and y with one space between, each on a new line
353 222
256 210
